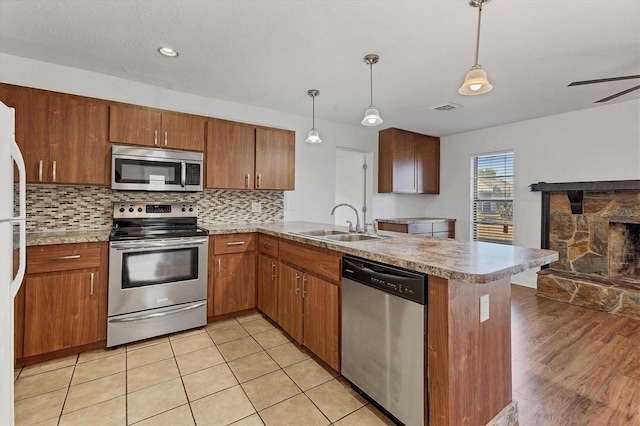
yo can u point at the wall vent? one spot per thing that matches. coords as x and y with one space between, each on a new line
449 106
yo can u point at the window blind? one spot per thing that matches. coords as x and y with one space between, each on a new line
492 197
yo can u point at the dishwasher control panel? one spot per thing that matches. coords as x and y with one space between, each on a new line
400 282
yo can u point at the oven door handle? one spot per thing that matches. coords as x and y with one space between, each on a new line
158 314
183 176
156 245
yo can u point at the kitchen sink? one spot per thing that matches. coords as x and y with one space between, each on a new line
353 237
322 233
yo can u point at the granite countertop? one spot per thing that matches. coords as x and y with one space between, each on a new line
468 261
408 220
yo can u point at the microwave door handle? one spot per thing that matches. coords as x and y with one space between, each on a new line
183 180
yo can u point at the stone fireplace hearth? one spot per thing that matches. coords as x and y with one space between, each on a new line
595 228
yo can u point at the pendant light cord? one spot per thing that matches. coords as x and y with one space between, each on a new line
314 111
478 35
371 81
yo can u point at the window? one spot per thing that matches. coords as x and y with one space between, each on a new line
492 197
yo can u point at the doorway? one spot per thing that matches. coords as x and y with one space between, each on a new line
354 185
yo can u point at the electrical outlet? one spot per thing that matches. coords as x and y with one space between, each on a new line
256 207
484 308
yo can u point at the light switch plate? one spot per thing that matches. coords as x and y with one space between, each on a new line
256 207
484 308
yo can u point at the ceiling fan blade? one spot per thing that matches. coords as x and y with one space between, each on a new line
624 92
603 80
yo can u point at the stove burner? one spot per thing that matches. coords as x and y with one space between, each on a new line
142 221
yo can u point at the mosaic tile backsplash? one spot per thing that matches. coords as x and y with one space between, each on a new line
68 207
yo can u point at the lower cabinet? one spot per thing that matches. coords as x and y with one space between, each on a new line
64 297
268 276
309 304
232 274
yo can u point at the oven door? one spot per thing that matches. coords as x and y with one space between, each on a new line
149 274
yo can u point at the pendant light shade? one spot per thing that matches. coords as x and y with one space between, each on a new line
372 116
476 81
313 136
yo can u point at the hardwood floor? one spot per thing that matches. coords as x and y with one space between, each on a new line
573 366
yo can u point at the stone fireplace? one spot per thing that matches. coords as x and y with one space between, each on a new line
595 228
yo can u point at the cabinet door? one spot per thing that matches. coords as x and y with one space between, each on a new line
268 286
79 148
182 131
403 157
322 319
230 155
428 164
61 311
31 112
234 287
275 159
135 125
290 302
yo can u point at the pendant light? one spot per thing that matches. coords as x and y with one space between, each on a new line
476 82
372 116
313 136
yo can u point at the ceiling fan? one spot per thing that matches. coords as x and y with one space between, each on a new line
605 80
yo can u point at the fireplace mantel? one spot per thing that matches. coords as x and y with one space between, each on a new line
575 190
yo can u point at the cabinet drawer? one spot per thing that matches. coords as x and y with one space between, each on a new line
310 259
393 227
62 257
268 245
234 243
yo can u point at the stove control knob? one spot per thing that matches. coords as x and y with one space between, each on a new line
121 209
139 209
190 209
130 209
184 209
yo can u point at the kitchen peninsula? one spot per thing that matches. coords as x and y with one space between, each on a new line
469 362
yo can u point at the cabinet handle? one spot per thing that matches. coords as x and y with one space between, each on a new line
166 138
236 243
259 180
297 286
92 274
155 138
304 287
219 266
40 172
246 180
266 244
273 271
55 169
71 256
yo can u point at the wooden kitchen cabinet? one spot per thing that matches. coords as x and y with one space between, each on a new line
137 125
232 274
243 156
309 299
408 162
63 137
65 299
268 276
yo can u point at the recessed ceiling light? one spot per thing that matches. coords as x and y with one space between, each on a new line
167 51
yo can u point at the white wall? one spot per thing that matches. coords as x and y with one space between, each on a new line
601 143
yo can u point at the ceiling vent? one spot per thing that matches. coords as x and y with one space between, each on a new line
449 106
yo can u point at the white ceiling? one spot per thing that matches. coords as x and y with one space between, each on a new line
269 53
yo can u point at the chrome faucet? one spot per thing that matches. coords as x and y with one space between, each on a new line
358 229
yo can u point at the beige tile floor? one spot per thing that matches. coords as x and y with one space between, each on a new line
240 371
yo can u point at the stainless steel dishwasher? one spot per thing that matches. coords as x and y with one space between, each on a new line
383 336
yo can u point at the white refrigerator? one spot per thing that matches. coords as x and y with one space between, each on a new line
12 244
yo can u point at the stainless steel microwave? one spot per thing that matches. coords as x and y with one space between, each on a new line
153 169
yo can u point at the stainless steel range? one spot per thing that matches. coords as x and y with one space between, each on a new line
157 271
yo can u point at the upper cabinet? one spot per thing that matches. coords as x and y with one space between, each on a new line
408 163
137 125
242 156
63 137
